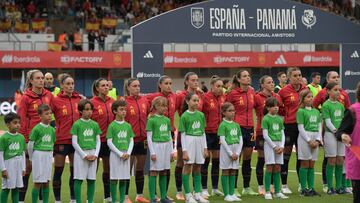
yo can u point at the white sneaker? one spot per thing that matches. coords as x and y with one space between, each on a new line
108 200
189 198
57 201
348 190
268 196
200 199
299 188
235 198
217 192
228 198
325 188
72 201
285 190
281 196
205 194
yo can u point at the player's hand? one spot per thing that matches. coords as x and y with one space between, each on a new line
334 131
153 157
206 153
94 157
281 150
234 157
173 156
346 139
87 157
5 174
23 173
185 156
125 156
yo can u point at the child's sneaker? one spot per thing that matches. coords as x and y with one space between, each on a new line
261 190
285 190
237 193
235 198
141 199
190 198
331 191
179 196
217 192
348 190
249 191
281 196
107 200
200 199
268 196
228 198
325 188
205 194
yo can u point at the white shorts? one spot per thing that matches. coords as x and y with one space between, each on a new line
270 156
119 168
225 160
14 168
41 166
84 169
333 148
195 149
163 151
304 150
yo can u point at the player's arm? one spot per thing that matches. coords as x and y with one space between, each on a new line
267 138
113 148
98 145
131 146
149 135
30 149
225 145
77 147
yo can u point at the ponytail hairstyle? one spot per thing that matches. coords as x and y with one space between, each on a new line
214 79
95 85
302 96
62 77
161 80
292 69
30 76
185 106
262 80
270 102
329 87
236 77
225 107
127 84
158 101
186 78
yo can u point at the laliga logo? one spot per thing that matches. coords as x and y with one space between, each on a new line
88 132
7 59
308 19
163 127
196 125
46 138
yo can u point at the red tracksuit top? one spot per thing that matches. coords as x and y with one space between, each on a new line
27 110
243 102
180 99
102 114
171 98
137 110
66 112
321 98
290 98
260 99
212 110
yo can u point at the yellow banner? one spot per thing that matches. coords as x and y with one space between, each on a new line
92 26
21 27
109 22
38 24
54 46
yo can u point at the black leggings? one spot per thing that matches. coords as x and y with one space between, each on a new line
356 190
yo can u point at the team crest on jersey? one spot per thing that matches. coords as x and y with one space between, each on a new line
88 132
144 108
276 126
241 101
292 98
337 113
342 96
100 111
196 125
64 111
212 105
313 119
132 110
14 146
35 106
46 138
122 134
163 127
233 132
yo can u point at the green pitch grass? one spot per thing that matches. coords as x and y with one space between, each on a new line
292 182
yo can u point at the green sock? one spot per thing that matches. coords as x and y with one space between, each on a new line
338 176
4 194
45 194
35 195
197 181
225 184
152 187
186 183
231 184
311 178
303 172
343 180
15 195
348 183
163 183
267 181
276 177
122 188
90 190
77 190
330 175
113 190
